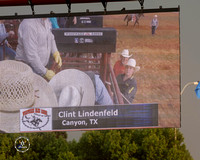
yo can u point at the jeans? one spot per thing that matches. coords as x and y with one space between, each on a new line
102 96
153 29
9 52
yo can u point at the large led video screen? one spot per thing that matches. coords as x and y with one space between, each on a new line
115 71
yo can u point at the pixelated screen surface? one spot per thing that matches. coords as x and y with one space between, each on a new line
118 71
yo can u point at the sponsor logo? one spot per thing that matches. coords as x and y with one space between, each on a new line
83 40
87 40
86 21
75 40
83 33
35 119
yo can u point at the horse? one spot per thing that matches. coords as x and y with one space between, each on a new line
133 17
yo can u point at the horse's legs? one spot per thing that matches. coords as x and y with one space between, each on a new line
136 21
127 23
125 17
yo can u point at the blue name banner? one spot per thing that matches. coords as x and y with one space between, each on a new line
105 117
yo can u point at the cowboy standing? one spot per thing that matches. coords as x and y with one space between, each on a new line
127 83
4 45
154 24
119 66
35 45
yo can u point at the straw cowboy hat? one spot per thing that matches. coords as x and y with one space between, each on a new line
21 88
132 62
73 88
125 53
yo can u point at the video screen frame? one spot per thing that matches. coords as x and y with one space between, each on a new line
161 121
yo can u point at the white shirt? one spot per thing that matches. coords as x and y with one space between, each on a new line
35 44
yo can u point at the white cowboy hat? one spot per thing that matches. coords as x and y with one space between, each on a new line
125 53
73 88
155 16
67 95
132 62
17 84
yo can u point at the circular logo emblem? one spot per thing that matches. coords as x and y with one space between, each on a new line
35 118
22 144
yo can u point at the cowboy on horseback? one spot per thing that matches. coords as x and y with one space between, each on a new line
133 17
